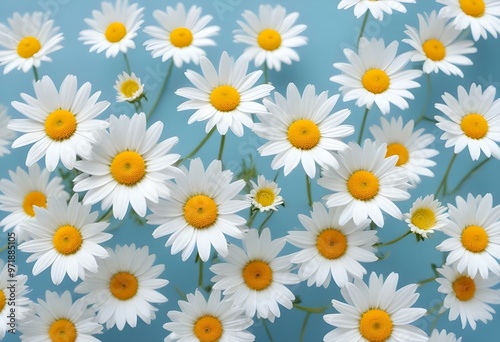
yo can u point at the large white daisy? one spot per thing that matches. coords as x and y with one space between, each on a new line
377 8
265 195
6 134
442 336
426 216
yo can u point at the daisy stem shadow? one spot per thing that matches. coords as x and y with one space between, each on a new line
363 123
162 89
221 147
35 73
393 241
363 26
308 187
467 176
127 64
443 185
427 100
197 148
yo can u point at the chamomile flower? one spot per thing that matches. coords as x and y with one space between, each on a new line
302 129
129 88
442 336
130 167
375 75
471 121
265 195
272 36
114 28
125 287
426 216
61 124
376 8
438 45
255 278
208 320
28 41
376 311
182 36
200 210
6 134
228 98
365 184
331 250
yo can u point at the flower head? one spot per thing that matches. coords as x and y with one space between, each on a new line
426 216
265 195
377 8
129 88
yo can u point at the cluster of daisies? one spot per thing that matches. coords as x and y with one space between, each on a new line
120 164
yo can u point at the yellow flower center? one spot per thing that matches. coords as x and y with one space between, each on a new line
115 32
200 211
375 325
464 288
474 126
123 285
225 98
399 150
331 243
304 134
67 240
474 239
181 37
60 125
129 88
474 8
2 300
128 168
434 49
269 39
62 330
423 218
28 46
363 185
265 197
375 81
208 329
257 275
34 198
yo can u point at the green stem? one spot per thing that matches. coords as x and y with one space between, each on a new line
442 185
200 272
393 241
197 148
467 176
3 248
427 99
221 147
308 309
139 107
303 329
436 320
35 72
308 187
127 64
363 123
426 281
106 215
266 328
363 25
265 221
165 81
253 214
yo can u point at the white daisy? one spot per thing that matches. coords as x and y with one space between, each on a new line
22 192
365 184
376 8
124 287
58 318
255 278
376 75
61 124
438 45
271 36
113 29
468 297
129 88
181 35
442 336
426 216
302 129
472 121
129 167
376 312
208 320
6 134
331 250
265 195
226 98
200 210
28 41
411 147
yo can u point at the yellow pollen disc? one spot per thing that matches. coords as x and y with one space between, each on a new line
474 126
464 288
225 98
375 81
128 168
123 285
423 218
62 330
115 32
208 329
363 185
257 275
474 239
129 88
474 8
331 243
200 211
67 240
375 325
181 37
265 197
399 150
28 46
434 49
2 300
304 134
269 39
60 125
34 198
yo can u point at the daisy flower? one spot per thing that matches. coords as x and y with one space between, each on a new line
208 320
28 41
58 318
468 297
265 195
474 242
113 29
61 124
302 129
376 311
331 250
129 167
6 134
438 45
129 88
124 287
365 184
200 210
472 121
442 336
226 99
376 8
271 36
255 278
411 147
181 35
376 75
426 216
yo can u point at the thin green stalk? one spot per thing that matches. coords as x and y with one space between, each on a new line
426 281
165 81
436 320
106 215
253 214
200 272
363 25
3 248
35 72
197 148
303 329
309 195
139 107
363 123
266 328
308 309
468 175
221 147
127 64
265 221
427 99
393 241
442 185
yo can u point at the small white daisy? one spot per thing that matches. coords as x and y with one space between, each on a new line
6 134
28 41
255 278
376 312
426 216
331 250
208 320
265 195
114 28
181 35
442 336
365 184
61 124
377 8
200 210
228 98
272 36
472 120
129 88
375 75
124 287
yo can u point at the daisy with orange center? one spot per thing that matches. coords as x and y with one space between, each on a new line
377 8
